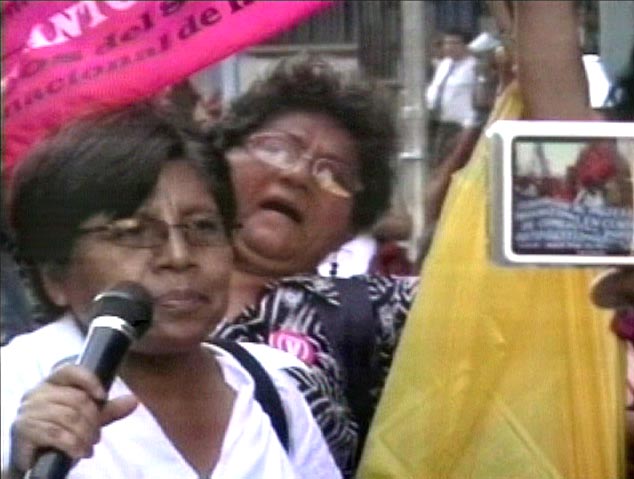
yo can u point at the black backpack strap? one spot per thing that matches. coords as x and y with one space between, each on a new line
265 391
353 332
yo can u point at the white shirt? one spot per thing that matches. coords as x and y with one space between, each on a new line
135 447
598 81
457 94
352 258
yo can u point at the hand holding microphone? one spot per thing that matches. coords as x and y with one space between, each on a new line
62 417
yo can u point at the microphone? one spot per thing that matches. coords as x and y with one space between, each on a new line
120 315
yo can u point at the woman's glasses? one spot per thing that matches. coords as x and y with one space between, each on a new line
146 232
285 152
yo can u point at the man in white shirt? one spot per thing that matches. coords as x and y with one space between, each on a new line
454 122
450 94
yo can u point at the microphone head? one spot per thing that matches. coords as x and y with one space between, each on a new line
126 300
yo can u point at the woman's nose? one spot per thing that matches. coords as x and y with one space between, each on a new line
176 252
300 171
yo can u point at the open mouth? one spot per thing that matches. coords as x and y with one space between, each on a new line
282 208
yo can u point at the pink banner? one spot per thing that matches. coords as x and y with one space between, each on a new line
64 58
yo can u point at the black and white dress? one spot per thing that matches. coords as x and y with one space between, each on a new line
291 315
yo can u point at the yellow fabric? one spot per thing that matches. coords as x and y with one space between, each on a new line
501 372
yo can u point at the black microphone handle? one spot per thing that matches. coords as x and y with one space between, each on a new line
51 464
102 355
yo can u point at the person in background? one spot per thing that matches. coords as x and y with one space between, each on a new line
351 259
604 176
503 62
450 98
503 13
435 55
484 47
129 196
394 227
379 251
454 124
311 159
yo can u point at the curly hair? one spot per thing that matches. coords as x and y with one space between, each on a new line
307 83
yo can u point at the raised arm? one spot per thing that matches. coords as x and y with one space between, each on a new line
550 69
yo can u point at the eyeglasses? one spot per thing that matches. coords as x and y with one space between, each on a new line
145 232
284 152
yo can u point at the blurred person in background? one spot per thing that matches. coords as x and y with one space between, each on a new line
454 123
450 99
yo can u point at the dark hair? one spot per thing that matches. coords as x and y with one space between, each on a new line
106 163
464 35
309 84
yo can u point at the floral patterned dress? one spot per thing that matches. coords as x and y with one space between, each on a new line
293 314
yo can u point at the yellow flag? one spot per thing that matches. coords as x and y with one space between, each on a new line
502 373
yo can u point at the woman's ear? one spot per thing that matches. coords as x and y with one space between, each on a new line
53 285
